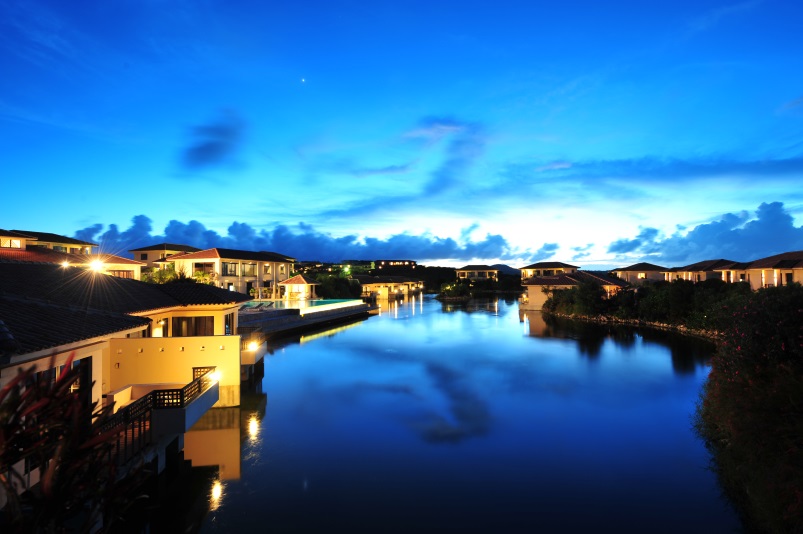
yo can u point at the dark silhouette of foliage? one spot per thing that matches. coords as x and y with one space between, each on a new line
751 412
46 424
334 286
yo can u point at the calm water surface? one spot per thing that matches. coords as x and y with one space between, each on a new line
431 417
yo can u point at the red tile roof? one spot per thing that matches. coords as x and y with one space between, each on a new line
233 254
643 267
55 238
786 260
549 265
46 255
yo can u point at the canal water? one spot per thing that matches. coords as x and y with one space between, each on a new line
468 418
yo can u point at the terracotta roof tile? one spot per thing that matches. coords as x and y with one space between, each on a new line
233 254
477 268
790 260
300 279
55 238
643 266
550 265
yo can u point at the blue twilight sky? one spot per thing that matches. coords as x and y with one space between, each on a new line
597 133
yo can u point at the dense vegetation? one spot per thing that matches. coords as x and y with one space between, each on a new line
476 288
751 410
750 413
700 306
334 286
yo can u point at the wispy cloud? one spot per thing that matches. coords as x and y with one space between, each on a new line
713 17
390 169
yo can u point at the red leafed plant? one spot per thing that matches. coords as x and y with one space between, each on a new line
45 425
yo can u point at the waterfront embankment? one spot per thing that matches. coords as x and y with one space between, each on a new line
280 321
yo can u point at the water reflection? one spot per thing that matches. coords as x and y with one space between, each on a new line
688 354
425 419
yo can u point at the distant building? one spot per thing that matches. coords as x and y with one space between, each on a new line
160 251
778 270
546 268
388 287
539 288
380 264
477 272
698 272
26 248
57 242
238 270
639 273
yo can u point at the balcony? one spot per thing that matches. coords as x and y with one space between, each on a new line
148 411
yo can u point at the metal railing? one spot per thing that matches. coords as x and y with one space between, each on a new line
133 422
179 398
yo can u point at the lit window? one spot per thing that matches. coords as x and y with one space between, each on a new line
10 243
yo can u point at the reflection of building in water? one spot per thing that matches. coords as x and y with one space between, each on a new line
329 332
538 327
215 440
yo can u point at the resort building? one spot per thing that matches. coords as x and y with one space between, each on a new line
57 242
160 251
640 273
384 264
163 354
388 287
546 268
698 272
477 272
237 270
778 270
299 287
539 288
25 247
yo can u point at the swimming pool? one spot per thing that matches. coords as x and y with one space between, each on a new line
317 304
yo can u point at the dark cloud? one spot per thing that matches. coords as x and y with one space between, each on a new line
643 240
301 241
214 143
113 241
738 237
582 252
546 251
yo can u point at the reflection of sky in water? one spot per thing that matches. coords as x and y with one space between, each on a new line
434 417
